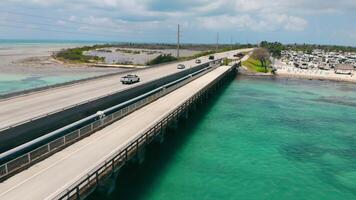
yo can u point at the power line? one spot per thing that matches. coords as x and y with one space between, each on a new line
19 25
91 26
50 30
178 40
52 18
111 27
58 26
217 40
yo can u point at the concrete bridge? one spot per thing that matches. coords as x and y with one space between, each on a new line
94 148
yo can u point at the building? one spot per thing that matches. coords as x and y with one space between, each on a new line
344 69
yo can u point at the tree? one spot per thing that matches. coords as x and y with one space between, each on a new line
262 55
275 48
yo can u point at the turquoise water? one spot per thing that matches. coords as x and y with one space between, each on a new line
18 82
260 139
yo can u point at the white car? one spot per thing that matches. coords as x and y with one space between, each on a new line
129 79
180 66
197 61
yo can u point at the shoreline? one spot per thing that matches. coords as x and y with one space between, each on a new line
37 60
300 76
320 78
285 70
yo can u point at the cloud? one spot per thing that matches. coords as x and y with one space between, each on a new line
295 24
266 22
257 17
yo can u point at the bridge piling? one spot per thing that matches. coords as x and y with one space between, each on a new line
137 154
175 107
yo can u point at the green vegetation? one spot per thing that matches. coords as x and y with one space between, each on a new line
275 48
164 58
226 61
255 65
204 53
75 55
128 51
309 48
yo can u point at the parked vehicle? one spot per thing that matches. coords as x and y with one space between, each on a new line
211 57
197 61
180 66
239 55
129 79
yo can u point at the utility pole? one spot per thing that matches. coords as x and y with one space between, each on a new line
217 41
231 42
178 41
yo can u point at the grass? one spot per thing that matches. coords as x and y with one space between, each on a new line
164 58
255 65
76 55
226 61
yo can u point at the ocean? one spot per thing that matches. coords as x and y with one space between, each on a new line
259 138
27 42
16 76
19 82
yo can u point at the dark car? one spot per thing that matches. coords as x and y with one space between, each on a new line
211 57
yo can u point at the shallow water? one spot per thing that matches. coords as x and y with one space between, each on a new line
260 139
18 82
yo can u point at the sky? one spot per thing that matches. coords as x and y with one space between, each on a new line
235 21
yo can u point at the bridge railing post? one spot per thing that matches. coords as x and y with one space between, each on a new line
77 193
97 178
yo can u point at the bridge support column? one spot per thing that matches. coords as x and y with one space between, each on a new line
140 156
174 123
108 186
160 137
193 107
186 115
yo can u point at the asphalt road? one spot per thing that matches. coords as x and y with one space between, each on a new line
22 108
55 174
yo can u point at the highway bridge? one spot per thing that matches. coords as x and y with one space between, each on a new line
98 145
26 117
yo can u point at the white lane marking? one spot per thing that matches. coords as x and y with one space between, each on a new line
145 110
86 145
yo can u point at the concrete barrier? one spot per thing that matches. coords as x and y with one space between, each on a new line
23 133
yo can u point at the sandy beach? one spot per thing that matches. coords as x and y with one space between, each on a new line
24 67
36 59
285 70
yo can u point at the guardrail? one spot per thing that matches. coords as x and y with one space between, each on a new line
115 161
29 153
45 87
81 103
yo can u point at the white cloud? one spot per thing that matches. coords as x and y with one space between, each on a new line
161 16
295 24
267 22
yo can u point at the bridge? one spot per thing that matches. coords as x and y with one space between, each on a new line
94 148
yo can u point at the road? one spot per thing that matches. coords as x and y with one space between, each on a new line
50 177
22 108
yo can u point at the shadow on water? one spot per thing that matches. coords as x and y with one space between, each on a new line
135 180
344 101
328 172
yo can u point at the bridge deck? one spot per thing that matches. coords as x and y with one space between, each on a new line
53 175
19 109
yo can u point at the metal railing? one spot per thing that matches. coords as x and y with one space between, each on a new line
40 148
113 162
78 104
